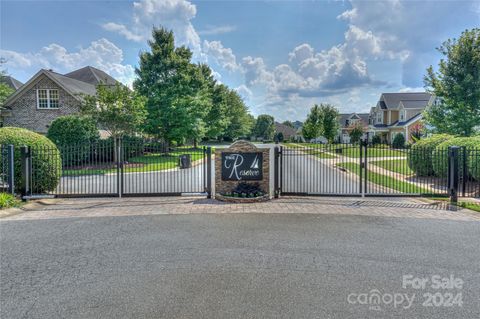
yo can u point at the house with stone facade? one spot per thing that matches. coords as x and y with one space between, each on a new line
398 113
48 95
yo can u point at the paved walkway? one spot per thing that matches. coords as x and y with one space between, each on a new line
100 207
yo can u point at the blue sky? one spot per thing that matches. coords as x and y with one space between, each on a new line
281 56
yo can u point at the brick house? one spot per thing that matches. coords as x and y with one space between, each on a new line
48 95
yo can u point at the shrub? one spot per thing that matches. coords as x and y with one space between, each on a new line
474 163
8 200
376 139
46 161
279 137
420 155
73 135
440 155
398 141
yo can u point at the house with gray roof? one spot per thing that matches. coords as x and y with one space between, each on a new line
48 95
397 113
347 121
11 82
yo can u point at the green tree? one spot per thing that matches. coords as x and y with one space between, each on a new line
117 109
264 127
217 117
178 92
329 116
5 90
240 121
313 126
457 85
356 132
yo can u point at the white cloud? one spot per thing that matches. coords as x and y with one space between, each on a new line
172 14
101 54
244 92
121 29
222 56
215 30
255 71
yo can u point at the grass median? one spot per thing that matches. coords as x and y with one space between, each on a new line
386 181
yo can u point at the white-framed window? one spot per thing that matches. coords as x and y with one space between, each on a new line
379 117
402 115
47 99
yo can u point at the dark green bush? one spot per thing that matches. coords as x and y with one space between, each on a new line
474 163
74 136
398 141
46 161
376 139
440 155
420 155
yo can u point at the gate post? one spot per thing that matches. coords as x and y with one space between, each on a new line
276 167
209 172
118 152
11 169
362 165
453 152
26 160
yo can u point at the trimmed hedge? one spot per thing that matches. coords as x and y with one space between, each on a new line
440 155
46 161
73 135
399 141
420 155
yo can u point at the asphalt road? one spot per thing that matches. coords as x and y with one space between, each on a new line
236 266
312 175
167 181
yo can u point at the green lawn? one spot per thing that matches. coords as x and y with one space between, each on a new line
148 163
317 150
350 150
386 181
354 151
397 166
318 153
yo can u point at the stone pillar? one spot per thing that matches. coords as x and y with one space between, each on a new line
237 164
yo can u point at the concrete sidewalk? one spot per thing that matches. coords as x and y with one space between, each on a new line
135 206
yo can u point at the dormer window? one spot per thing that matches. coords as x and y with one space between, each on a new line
402 115
47 99
379 117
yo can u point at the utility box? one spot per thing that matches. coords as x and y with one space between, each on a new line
184 161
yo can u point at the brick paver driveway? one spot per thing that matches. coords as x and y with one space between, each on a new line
196 258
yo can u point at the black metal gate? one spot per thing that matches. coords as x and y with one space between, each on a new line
371 170
128 167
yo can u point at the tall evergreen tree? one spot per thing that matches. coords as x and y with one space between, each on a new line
177 91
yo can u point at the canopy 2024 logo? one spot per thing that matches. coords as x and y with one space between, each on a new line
242 166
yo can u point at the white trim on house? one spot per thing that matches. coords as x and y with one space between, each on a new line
48 99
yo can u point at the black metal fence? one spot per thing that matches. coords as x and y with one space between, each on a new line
375 170
133 167
119 168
